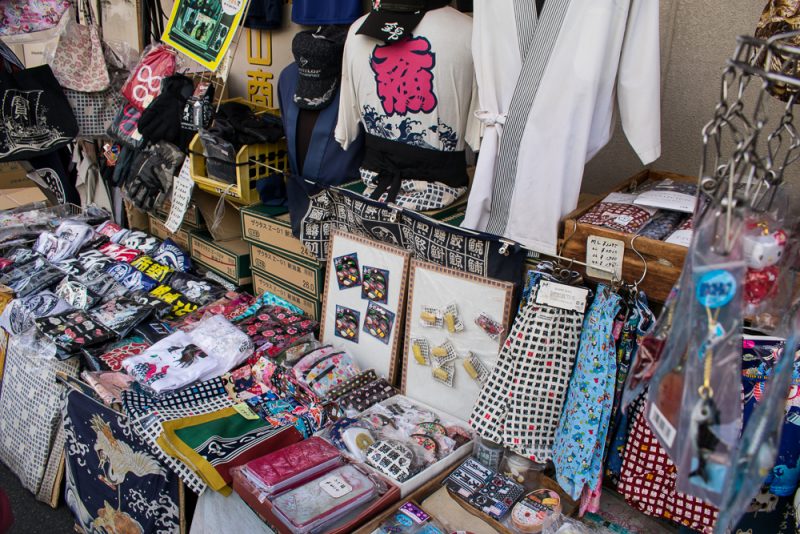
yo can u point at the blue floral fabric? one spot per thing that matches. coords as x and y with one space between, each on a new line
759 357
581 435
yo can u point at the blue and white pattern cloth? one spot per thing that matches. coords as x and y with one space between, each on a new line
581 435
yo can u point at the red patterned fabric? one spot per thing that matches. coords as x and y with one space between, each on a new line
647 481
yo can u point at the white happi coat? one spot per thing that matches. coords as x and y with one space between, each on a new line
547 87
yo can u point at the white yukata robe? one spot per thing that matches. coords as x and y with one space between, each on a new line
574 59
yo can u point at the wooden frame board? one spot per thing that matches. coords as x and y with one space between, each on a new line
434 286
369 351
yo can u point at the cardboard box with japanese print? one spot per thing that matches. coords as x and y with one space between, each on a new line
270 227
305 275
229 259
264 282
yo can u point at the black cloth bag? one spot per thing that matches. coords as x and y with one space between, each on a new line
35 117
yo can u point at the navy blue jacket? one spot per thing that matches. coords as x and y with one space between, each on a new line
326 163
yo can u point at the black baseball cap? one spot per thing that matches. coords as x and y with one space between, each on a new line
391 20
318 54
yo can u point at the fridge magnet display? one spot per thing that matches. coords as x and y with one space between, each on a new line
348 273
347 321
203 30
380 271
375 284
447 354
421 350
378 322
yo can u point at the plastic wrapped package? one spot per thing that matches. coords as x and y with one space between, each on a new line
287 467
309 507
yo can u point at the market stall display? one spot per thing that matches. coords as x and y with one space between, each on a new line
307 352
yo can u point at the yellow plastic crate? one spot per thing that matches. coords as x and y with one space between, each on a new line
274 155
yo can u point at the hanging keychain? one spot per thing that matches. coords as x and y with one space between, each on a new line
711 404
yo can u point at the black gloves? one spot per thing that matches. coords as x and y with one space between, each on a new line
151 175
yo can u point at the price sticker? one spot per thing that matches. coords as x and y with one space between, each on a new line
244 410
604 257
335 486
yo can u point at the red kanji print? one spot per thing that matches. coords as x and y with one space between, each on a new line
403 72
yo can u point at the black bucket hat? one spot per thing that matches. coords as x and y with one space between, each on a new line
391 20
318 54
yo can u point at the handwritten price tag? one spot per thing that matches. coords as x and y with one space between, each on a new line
182 187
604 257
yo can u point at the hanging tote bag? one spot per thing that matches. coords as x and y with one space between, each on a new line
78 62
27 16
35 117
95 112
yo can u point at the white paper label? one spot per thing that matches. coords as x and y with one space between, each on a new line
623 219
662 425
604 257
335 486
182 187
562 296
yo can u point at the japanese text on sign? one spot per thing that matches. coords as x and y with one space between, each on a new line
604 257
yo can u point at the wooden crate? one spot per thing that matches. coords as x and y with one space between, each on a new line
664 260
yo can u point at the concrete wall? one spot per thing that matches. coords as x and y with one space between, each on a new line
696 39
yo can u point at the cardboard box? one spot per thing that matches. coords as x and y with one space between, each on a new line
19 196
263 282
306 276
14 176
271 228
137 219
231 225
192 220
157 228
229 259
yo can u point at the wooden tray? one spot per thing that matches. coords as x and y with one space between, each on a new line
664 260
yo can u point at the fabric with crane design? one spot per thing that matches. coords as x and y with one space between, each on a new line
113 481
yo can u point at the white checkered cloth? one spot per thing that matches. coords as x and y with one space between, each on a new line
520 405
416 195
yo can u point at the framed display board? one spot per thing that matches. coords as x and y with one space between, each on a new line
365 290
455 326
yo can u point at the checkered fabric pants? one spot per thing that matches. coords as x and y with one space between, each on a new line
521 403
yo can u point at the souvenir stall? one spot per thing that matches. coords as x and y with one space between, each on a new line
379 303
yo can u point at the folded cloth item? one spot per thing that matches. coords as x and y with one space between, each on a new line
170 364
141 241
18 316
107 384
213 347
216 442
170 254
618 212
76 294
65 242
662 224
199 290
73 330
